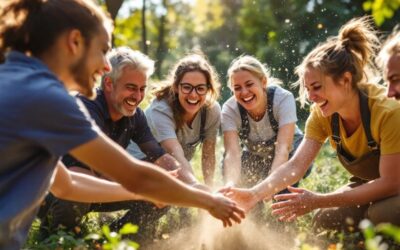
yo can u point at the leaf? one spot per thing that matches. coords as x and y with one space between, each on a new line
129 229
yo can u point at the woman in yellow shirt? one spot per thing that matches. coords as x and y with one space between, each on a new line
360 123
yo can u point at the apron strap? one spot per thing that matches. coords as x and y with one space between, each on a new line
366 121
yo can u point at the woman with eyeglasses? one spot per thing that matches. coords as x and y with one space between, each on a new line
185 113
259 125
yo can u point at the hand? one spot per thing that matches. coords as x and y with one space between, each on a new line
245 198
225 210
297 203
174 173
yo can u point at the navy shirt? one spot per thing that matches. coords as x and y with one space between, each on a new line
39 123
124 130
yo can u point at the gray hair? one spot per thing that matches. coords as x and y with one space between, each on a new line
390 47
122 57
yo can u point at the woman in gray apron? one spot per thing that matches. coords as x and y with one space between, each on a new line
259 124
360 122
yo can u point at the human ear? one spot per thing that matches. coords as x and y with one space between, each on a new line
75 41
107 84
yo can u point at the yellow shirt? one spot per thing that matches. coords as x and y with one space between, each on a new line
385 122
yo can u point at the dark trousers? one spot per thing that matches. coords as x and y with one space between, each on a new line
55 212
348 218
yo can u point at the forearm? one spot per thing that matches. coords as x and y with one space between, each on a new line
232 168
360 195
85 188
208 167
284 176
281 156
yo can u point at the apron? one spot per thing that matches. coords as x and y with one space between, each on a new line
366 167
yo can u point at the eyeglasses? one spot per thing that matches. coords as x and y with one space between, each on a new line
187 88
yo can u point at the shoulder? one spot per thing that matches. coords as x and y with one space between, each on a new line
230 104
281 94
159 106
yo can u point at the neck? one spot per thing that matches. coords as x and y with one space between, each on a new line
258 113
350 113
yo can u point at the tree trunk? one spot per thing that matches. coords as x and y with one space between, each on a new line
144 29
161 49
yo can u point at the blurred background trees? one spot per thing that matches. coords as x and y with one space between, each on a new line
278 32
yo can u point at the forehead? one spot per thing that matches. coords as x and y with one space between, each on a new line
393 65
194 77
242 75
133 76
101 39
312 75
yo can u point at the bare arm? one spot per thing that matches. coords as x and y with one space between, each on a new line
174 148
302 201
285 175
70 185
386 185
146 179
232 159
208 161
283 145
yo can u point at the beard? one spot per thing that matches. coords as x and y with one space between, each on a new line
82 77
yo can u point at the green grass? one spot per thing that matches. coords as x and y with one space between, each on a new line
327 175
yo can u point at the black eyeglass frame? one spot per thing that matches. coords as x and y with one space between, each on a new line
196 88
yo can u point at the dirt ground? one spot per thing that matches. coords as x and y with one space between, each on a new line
209 234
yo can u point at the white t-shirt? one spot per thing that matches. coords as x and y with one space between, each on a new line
284 110
162 124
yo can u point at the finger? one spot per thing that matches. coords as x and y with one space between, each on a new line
235 217
285 196
239 211
225 189
281 204
294 189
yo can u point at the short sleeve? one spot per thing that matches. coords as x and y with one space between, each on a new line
213 121
230 116
390 133
316 126
285 108
57 121
161 121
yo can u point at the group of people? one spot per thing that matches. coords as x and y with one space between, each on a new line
50 56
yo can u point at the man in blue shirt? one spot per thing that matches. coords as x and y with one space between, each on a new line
115 110
53 47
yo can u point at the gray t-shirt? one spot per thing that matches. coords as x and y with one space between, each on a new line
284 110
162 124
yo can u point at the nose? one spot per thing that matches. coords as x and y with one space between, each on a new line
107 65
392 90
311 96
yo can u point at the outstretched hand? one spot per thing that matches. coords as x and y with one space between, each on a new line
245 198
292 205
226 210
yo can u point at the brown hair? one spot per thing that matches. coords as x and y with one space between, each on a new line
34 25
190 63
351 51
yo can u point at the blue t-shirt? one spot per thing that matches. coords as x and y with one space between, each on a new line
128 128
39 123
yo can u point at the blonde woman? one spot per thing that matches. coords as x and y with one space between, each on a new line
360 122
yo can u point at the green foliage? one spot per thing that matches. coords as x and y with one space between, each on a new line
114 240
381 10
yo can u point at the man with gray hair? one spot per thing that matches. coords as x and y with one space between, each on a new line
389 61
116 112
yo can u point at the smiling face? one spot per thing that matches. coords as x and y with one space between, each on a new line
328 95
126 93
249 91
392 75
92 64
191 102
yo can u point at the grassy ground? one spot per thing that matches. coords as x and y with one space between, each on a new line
327 175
